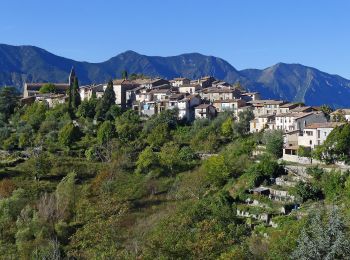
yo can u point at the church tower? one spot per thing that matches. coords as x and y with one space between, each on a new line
71 76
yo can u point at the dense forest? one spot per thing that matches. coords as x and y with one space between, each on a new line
88 180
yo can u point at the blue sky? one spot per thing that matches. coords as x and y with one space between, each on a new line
246 33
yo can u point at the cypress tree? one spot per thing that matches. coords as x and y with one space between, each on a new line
124 74
109 96
70 94
75 94
107 101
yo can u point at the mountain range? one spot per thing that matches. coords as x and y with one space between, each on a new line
292 82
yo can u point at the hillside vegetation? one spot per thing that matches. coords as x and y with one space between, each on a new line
97 182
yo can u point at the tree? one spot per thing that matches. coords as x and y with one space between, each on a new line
226 127
307 191
169 157
147 161
65 196
10 208
109 96
48 88
265 169
159 136
333 184
124 74
242 127
134 76
239 86
106 102
75 94
274 142
69 134
168 117
105 132
87 108
216 169
327 110
128 126
40 164
8 101
35 114
319 241
336 147
113 112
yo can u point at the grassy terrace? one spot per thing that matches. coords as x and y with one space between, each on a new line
258 210
267 201
278 187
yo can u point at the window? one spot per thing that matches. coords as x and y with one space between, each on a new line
310 142
309 133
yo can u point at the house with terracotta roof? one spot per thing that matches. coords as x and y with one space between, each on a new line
184 104
316 133
288 107
244 109
221 84
178 82
150 108
189 88
51 100
266 106
250 96
205 111
186 107
302 109
88 91
214 93
312 135
262 122
150 83
206 81
120 86
230 105
298 121
160 94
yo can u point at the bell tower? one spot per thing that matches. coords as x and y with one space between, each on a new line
71 76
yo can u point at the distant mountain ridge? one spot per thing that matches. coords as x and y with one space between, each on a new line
293 82
299 83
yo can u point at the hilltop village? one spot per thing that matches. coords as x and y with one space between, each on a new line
151 168
304 127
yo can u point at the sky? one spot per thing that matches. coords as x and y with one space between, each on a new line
246 33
